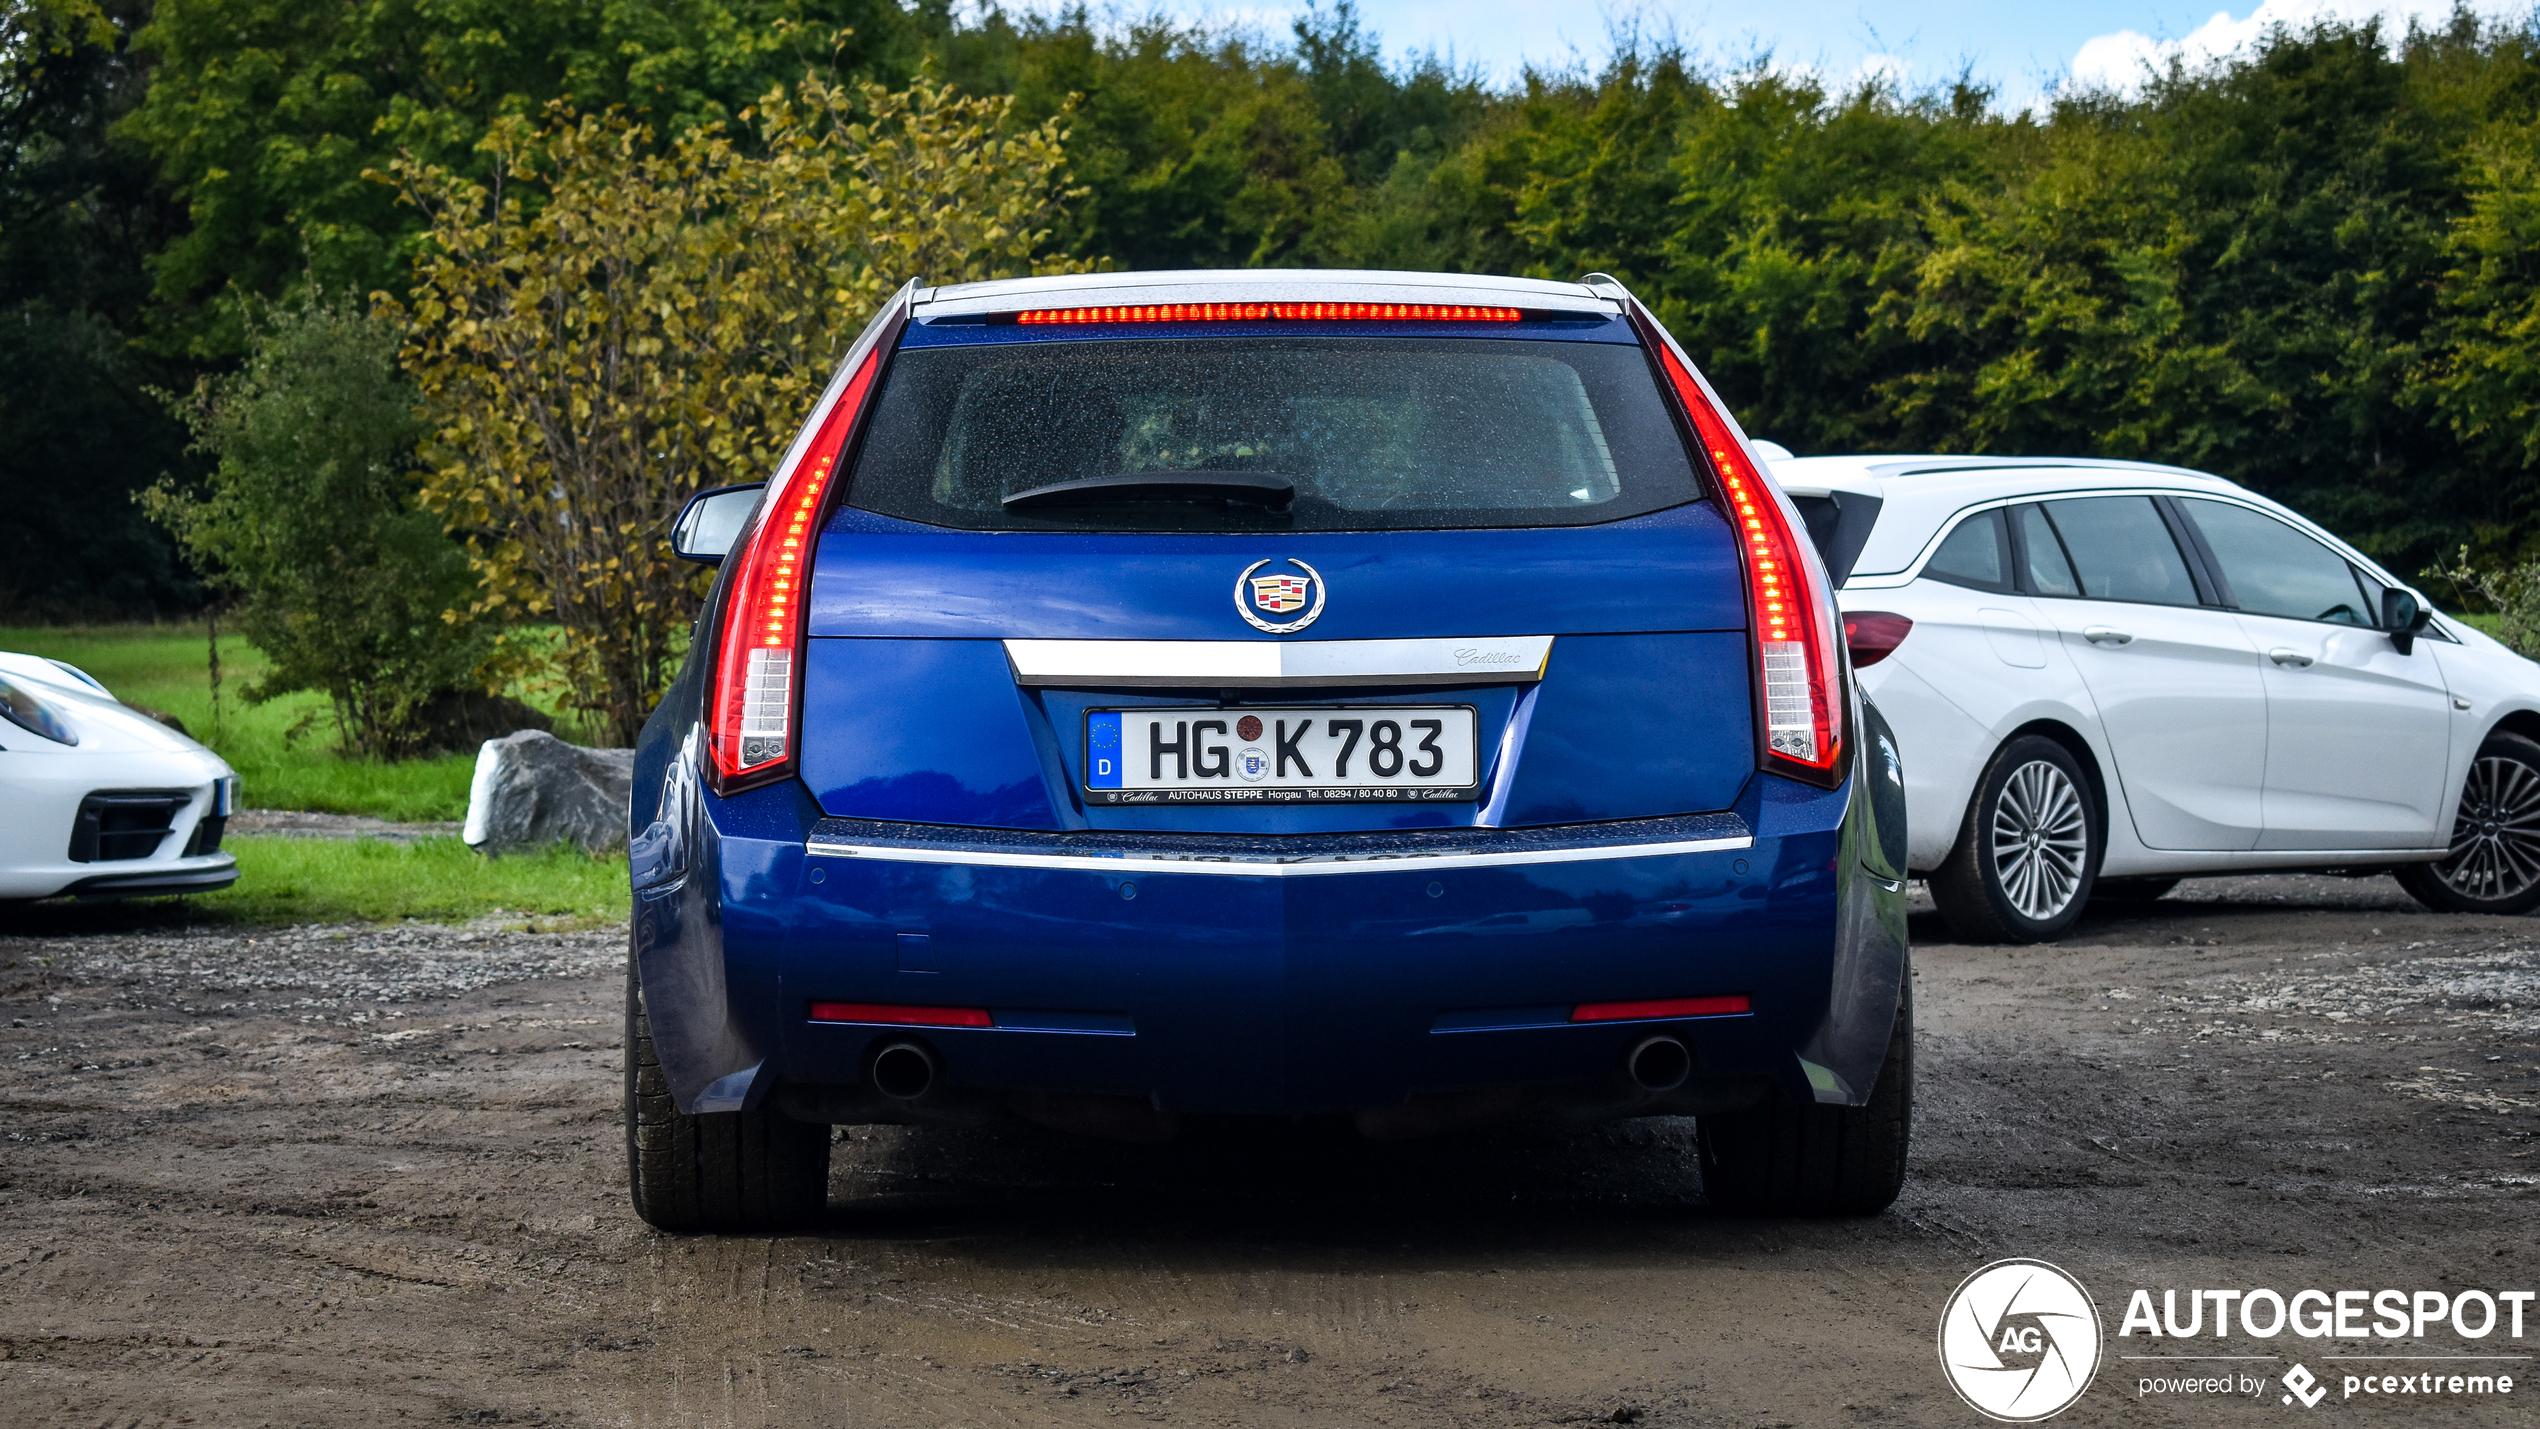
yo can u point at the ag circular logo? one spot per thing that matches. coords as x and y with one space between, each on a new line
1276 594
2019 1341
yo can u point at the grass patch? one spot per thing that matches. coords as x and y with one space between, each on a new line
368 881
167 667
440 880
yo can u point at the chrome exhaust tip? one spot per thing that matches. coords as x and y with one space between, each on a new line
905 1070
1659 1064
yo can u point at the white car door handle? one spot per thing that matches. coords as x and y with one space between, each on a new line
2105 635
2286 656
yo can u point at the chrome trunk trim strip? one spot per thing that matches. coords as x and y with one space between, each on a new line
1482 660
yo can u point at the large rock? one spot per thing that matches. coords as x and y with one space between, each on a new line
533 789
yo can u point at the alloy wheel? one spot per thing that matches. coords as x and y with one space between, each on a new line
2041 840
2496 836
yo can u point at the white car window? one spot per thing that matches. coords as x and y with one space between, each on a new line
2123 550
2273 569
1977 554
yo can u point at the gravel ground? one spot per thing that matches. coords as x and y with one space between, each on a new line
329 1175
301 824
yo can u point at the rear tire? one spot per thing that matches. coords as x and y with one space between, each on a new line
746 1171
2028 852
1785 1156
2494 865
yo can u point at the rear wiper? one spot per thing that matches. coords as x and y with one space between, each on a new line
1247 488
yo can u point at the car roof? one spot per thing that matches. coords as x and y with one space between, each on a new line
1259 285
1919 494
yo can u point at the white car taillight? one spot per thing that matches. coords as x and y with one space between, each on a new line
755 702
1798 665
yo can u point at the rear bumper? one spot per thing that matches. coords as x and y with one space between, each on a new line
1332 985
1364 972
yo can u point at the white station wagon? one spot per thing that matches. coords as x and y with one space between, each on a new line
2105 676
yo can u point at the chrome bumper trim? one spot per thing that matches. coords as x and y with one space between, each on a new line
1265 865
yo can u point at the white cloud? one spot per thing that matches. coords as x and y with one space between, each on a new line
1894 71
2122 60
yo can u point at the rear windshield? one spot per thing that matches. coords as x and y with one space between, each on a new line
1367 434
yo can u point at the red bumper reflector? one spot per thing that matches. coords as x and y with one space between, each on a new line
1729 1006
1275 312
899 1016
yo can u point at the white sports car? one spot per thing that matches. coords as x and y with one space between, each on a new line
102 800
2105 676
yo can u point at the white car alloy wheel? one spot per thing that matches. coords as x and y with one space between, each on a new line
2496 838
2041 840
2028 847
2494 865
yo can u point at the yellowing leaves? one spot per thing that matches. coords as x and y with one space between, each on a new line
609 326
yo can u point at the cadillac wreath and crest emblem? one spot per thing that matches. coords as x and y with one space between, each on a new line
1257 595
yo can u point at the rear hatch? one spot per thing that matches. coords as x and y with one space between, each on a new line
1281 578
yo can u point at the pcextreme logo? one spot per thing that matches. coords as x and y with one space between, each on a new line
2019 1341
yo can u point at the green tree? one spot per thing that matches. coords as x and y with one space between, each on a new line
608 326
2481 379
1207 148
2237 271
1195 153
309 517
265 115
2303 266
79 217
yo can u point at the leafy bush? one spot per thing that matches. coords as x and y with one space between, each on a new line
612 326
2511 593
309 518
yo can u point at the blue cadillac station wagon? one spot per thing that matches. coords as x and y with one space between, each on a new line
1143 697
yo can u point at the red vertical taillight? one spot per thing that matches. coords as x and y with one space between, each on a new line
754 707
1798 665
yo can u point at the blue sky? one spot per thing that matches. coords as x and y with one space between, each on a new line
2024 47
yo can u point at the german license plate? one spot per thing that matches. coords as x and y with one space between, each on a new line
1307 753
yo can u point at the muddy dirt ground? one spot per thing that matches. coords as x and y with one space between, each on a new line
333 1176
